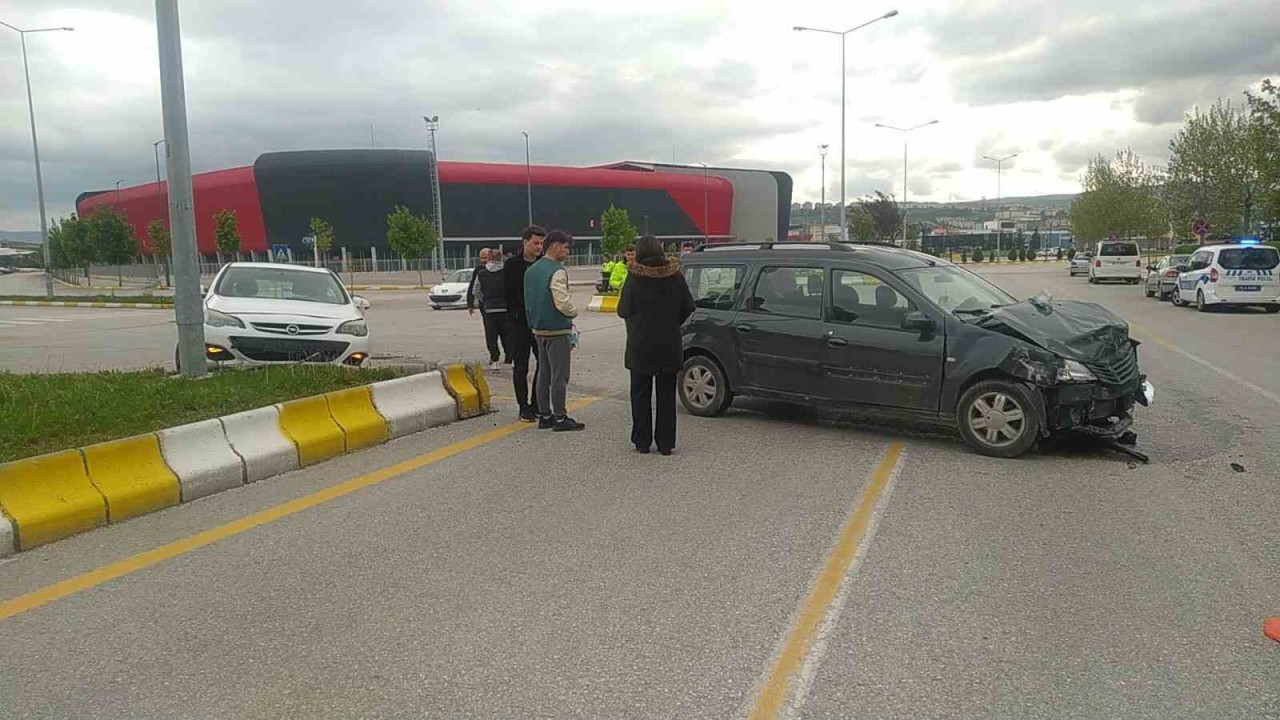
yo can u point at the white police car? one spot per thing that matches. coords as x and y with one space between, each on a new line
1232 274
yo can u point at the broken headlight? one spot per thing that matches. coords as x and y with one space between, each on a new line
1074 372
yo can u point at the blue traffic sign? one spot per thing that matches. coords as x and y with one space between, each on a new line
280 253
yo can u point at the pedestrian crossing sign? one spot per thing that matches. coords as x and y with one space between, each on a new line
280 252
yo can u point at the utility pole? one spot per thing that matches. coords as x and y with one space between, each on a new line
999 203
706 216
822 206
528 176
905 132
186 256
433 124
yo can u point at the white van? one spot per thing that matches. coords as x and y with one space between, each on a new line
1242 273
1116 260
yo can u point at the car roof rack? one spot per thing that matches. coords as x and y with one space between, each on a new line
788 245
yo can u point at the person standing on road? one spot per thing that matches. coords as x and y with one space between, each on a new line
551 312
655 302
619 275
487 281
519 334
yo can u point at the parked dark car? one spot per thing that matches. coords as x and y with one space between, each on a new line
1162 277
903 334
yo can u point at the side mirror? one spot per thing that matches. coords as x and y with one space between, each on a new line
916 320
360 303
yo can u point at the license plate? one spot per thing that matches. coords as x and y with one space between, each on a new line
1249 288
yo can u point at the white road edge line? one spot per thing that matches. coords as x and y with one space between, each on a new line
1273 397
809 670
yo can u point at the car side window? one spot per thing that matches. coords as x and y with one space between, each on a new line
1200 260
714 287
789 291
862 299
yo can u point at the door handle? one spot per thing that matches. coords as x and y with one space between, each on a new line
744 329
836 341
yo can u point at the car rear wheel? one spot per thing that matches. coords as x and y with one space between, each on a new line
704 390
1093 280
997 418
1273 309
1148 291
1200 304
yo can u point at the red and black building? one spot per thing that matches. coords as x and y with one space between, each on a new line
483 203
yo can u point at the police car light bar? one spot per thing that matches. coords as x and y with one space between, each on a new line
1246 241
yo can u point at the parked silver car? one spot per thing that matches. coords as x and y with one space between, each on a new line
1079 264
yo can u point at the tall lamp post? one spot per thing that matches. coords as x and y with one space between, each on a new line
844 232
433 124
528 176
822 206
905 132
155 146
999 205
706 224
35 149
118 190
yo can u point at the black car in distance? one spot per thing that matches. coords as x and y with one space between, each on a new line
903 334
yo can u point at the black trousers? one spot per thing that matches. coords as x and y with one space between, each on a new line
646 429
522 346
495 331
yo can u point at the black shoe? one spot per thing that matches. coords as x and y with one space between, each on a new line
567 424
506 361
528 415
642 450
546 422
665 451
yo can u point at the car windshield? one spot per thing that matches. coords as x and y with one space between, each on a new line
1249 258
955 290
281 284
459 276
1176 260
1121 249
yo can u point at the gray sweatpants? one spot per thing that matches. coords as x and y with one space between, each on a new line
553 373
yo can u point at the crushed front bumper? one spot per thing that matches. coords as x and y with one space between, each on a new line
1095 409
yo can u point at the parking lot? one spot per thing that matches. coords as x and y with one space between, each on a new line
531 574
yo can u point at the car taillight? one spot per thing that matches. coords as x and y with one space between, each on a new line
1213 274
1171 273
1097 263
1137 263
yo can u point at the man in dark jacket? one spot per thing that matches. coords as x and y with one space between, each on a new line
522 340
655 302
551 312
487 287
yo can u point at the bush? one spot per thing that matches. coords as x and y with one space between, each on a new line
1185 249
1013 254
1071 254
964 255
977 255
1059 256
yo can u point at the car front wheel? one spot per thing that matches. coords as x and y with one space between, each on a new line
1273 309
704 390
997 418
1148 291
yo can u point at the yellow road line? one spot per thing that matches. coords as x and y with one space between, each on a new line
773 694
143 560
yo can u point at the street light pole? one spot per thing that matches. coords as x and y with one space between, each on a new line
999 205
905 132
822 205
706 225
844 232
433 124
35 149
118 190
155 146
528 176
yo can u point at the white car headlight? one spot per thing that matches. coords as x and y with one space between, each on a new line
213 318
357 328
1072 371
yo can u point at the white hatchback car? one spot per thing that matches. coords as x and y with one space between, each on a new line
1116 260
452 293
1234 274
263 313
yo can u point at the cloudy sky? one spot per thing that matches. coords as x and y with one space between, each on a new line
718 81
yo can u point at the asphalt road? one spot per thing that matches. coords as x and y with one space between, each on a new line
544 575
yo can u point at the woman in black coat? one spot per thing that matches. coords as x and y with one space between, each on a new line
655 301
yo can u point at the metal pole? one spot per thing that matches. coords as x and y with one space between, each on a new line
433 122
186 287
156 147
904 190
999 206
35 148
706 222
844 210
528 176
822 206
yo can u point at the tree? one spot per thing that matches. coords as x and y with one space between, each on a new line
161 244
616 231
112 240
1264 125
1121 197
977 255
1071 253
68 243
411 236
1059 254
1034 243
1013 254
226 234
322 238
885 214
1214 170
862 227
964 255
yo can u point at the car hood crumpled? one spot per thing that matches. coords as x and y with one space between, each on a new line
1082 331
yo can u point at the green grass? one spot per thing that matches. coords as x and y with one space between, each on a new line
95 298
46 413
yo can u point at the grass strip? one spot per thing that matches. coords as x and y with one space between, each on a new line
46 413
147 299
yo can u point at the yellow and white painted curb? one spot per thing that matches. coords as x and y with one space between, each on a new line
53 496
603 304
78 304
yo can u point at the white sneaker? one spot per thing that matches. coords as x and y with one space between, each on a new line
495 366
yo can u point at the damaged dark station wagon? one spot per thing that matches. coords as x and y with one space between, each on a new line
903 334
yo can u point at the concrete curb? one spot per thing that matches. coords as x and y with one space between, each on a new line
603 304
77 304
367 288
53 496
